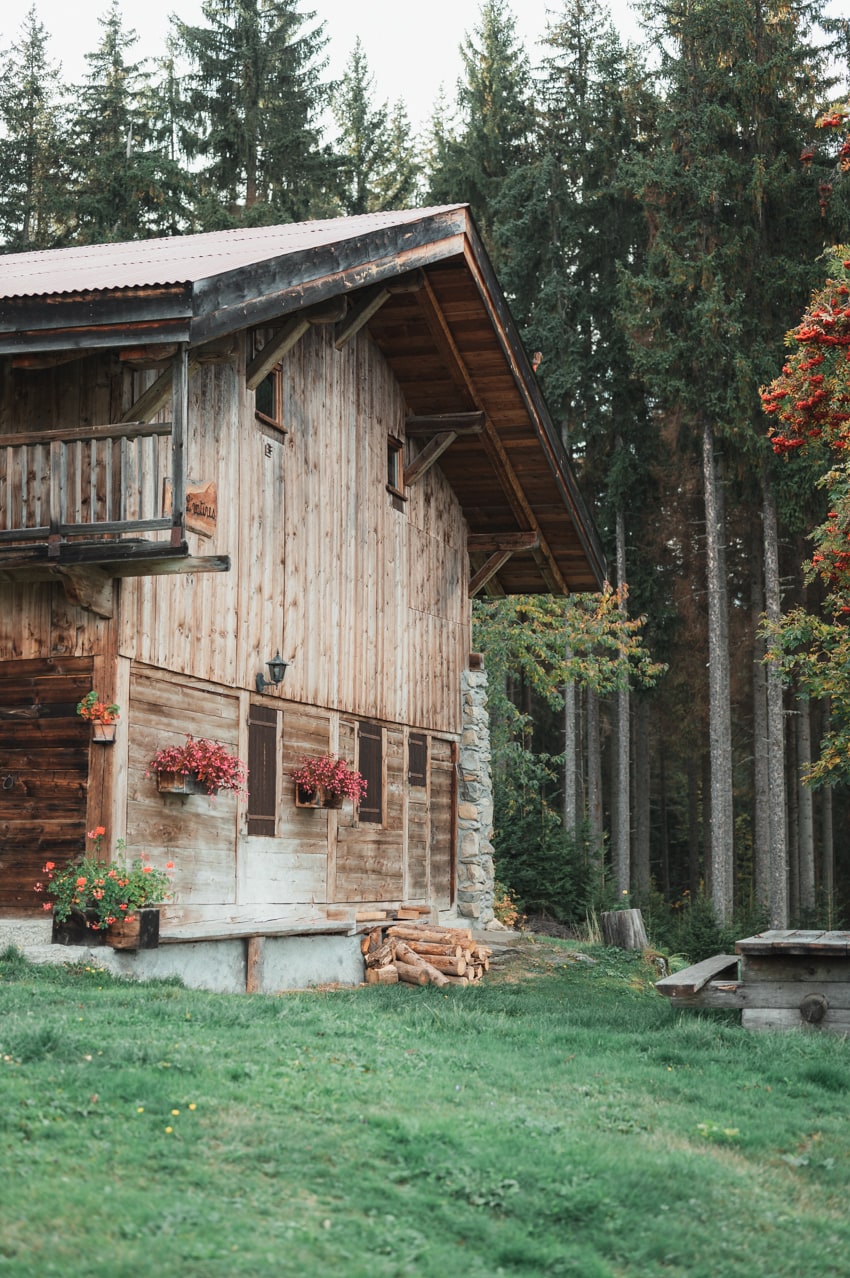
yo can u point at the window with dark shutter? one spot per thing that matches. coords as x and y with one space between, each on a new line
262 770
417 759
370 765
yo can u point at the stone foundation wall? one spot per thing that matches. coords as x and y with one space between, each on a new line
475 805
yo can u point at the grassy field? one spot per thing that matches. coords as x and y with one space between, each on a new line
557 1119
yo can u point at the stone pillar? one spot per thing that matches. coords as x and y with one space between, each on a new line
475 872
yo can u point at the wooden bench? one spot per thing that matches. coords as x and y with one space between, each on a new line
711 983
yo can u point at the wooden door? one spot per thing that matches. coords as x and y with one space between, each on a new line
44 763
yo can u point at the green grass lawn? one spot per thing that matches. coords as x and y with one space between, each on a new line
557 1119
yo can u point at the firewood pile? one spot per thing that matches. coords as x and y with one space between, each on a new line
424 954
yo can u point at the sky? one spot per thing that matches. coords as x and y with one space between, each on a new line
411 49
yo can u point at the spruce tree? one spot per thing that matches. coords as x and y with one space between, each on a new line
470 162
254 96
124 185
730 251
32 196
378 168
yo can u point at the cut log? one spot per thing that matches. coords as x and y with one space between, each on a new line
403 913
411 974
382 956
458 980
429 932
382 975
411 958
624 928
451 966
450 950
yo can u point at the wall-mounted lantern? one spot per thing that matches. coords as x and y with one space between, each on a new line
277 669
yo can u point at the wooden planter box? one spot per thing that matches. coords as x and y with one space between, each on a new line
141 932
319 799
103 733
73 931
179 783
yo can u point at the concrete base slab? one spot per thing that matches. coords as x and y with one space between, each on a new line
287 962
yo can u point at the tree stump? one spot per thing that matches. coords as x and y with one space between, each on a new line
624 928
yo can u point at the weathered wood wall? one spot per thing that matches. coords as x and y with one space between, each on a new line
368 602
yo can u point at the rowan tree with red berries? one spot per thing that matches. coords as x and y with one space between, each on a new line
810 406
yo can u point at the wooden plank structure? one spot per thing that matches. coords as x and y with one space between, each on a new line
780 979
317 440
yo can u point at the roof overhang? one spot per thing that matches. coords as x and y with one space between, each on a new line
449 338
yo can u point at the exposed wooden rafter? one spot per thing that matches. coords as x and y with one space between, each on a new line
368 301
427 426
490 543
493 445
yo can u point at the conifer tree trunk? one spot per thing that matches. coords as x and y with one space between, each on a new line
622 866
827 851
570 757
805 813
792 773
761 776
641 806
720 717
693 825
594 772
778 868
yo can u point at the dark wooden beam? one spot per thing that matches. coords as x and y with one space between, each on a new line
490 543
50 360
367 303
158 394
274 351
488 570
426 426
431 453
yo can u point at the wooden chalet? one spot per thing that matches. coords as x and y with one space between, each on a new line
318 440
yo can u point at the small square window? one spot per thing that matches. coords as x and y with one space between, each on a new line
395 468
268 400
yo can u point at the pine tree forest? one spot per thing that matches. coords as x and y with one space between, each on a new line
663 216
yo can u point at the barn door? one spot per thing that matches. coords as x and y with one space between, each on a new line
44 760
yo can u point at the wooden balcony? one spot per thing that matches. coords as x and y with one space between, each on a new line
96 502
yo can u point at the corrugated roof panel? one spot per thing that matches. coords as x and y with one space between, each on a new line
181 259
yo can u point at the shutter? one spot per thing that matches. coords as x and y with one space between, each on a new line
262 770
370 765
417 759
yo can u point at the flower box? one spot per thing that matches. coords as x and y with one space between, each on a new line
180 783
320 798
103 733
138 932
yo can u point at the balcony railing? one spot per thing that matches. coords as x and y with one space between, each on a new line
120 486
87 483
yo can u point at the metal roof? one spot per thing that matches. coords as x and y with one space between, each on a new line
182 259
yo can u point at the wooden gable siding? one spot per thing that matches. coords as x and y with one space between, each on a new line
367 602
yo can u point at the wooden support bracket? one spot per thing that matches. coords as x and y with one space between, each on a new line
488 570
431 453
427 426
274 351
87 586
157 395
368 303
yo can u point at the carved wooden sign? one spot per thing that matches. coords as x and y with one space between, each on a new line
201 506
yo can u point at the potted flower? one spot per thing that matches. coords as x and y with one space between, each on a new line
323 781
111 898
197 767
102 715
